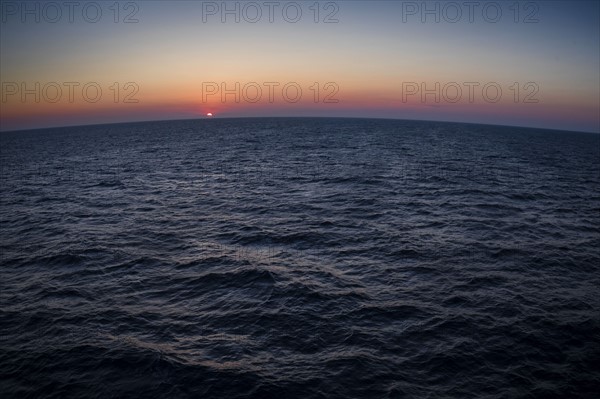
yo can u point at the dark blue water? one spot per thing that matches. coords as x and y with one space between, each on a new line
299 258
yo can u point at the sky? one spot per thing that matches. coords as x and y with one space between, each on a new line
520 63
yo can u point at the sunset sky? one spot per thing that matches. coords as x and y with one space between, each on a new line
512 63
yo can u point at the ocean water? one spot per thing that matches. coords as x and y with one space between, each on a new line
299 258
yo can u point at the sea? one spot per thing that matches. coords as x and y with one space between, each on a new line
299 258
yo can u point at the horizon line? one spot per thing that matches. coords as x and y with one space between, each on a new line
292 117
